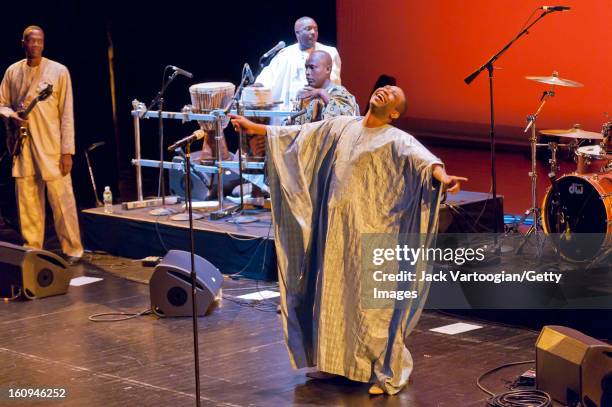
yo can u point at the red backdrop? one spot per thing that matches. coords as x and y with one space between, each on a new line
430 46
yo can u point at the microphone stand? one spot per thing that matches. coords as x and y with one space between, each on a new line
196 351
221 213
468 80
159 101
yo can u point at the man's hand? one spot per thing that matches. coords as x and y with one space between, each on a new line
449 183
240 122
452 183
17 121
308 92
65 164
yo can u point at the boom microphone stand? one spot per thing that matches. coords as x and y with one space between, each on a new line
489 67
159 101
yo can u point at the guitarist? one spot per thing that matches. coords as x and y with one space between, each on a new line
45 160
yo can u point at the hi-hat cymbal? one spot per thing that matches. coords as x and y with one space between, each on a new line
555 80
576 133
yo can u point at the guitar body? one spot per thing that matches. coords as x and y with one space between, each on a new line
16 135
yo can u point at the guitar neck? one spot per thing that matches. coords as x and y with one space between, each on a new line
26 112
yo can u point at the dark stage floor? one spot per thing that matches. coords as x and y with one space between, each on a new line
148 361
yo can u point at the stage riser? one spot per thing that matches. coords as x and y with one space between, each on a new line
133 234
134 239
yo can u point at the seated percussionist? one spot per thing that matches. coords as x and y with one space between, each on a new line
322 98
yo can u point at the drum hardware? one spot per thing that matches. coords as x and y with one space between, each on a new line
534 210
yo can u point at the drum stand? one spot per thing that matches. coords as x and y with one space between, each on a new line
534 211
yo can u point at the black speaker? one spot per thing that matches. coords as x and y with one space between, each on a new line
31 273
170 285
573 367
199 187
200 190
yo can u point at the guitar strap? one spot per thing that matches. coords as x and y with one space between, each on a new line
32 86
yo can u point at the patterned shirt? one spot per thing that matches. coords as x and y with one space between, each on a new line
341 103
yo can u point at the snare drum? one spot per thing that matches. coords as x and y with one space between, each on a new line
592 159
583 217
209 96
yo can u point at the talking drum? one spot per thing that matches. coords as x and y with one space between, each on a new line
209 96
592 159
580 220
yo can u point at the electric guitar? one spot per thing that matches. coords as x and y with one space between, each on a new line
15 136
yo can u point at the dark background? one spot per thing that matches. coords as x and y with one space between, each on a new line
211 39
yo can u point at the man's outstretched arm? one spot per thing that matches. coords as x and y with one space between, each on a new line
240 122
449 182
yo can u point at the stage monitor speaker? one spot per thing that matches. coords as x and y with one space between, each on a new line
574 368
31 273
200 186
170 285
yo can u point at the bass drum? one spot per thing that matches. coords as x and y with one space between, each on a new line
581 222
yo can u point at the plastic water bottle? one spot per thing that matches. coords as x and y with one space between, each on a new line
107 197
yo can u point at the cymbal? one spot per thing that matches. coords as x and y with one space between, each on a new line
576 133
555 80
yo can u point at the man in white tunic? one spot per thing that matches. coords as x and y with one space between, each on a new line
286 73
45 161
332 183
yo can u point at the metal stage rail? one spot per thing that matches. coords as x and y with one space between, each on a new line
140 112
211 169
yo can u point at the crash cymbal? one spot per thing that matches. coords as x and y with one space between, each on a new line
555 80
576 133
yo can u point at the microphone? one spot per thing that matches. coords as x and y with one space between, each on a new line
181 71
273 51
198 135
555 8
247 75
95 145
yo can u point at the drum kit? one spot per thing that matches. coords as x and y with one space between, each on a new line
577 208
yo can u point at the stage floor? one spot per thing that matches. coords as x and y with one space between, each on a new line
148 361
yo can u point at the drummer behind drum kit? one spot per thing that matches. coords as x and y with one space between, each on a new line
577 208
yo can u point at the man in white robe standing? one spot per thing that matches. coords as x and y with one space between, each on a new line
286 73
333 183
45 161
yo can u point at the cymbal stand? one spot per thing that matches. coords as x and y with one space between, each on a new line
534 211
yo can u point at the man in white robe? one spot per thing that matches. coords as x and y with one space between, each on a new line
332 184
286 73
45 161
